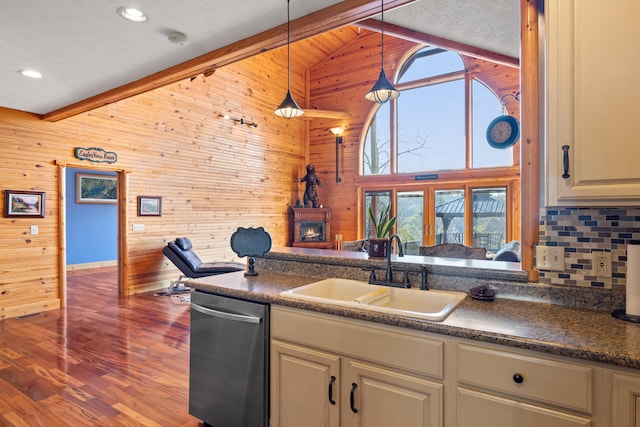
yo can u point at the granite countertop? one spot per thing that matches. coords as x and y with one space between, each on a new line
555 329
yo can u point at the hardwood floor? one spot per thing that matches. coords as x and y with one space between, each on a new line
103 361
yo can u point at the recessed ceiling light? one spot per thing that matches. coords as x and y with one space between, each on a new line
31 73
132 14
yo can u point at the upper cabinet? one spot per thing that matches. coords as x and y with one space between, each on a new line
592 103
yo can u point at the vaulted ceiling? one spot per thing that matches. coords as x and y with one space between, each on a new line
84 49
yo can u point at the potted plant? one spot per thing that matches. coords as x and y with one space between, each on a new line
382 224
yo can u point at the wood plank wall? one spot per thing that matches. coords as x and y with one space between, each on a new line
213 175
340 83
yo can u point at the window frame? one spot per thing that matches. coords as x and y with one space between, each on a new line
466 179
511 185
469 76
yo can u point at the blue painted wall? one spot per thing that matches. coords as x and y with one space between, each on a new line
92 229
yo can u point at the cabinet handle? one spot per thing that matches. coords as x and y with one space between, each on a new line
352 398
333 379
518 378
565 161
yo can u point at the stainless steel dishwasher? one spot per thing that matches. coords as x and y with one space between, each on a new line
229 361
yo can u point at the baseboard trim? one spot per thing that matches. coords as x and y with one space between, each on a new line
86 265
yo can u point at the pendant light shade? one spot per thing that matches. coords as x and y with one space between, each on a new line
383 90
289 108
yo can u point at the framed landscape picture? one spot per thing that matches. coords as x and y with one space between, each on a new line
149 206
24 204
94 188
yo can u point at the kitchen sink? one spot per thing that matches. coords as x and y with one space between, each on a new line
432 305
429 305
332 291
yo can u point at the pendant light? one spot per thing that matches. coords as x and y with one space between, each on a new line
289 107
383 90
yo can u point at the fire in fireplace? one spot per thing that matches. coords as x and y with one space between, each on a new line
311 231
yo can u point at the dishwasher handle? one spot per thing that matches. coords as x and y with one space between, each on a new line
225 315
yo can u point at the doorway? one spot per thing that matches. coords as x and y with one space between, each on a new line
121 183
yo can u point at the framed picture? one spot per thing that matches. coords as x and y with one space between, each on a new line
24 204
149 206
94 188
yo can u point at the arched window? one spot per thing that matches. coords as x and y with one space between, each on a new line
450 185
432 131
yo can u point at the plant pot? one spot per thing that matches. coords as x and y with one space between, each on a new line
378 247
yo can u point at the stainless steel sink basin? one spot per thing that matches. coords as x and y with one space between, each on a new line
432 305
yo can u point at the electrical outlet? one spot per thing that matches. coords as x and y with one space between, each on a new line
550 258
601 264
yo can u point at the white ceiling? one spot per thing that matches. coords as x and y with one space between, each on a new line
84 48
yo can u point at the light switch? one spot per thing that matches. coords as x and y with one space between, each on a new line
550 258
34 230
138 227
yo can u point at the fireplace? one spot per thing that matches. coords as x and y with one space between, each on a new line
311 228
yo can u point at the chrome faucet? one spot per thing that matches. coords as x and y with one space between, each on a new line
389 275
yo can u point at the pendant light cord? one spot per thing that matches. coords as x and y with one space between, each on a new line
288 48
381 29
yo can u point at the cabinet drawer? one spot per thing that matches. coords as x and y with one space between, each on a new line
543 380
386 345
484 410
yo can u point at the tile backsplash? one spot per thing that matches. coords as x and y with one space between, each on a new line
583 231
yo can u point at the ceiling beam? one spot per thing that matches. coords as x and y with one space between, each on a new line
419 37
336 16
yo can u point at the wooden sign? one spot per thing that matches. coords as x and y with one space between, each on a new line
96 155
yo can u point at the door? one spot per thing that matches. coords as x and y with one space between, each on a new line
379 397
592 95
122 235
625 400
410 223
304 386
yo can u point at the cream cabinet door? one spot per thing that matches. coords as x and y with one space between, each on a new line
625 401
592 102
379 397
304 386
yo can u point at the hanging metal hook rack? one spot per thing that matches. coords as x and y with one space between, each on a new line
240 120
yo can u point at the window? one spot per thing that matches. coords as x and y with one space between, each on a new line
449 216
378 200
410 222
434 116
437 129
489 218
431 135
